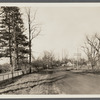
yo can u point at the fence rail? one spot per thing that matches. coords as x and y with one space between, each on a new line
9 75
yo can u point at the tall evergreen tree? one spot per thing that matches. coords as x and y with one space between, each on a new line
11 34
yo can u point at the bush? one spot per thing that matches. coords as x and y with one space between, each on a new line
4 68
38 65
24 67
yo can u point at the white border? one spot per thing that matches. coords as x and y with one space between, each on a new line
51 5
50 96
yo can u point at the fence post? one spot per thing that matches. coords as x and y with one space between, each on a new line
12 74
18 73
8 75
3 77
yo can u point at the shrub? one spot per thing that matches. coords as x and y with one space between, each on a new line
4 68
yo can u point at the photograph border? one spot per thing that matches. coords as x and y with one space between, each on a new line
49 1
81 97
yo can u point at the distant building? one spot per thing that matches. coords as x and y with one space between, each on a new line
69 64
64 65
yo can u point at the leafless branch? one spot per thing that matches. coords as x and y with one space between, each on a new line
35 35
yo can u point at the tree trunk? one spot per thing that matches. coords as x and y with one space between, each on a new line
17 58
14 47
29 42
10 51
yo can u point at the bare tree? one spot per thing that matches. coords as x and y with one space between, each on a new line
48 58
92 49
33 29
95 44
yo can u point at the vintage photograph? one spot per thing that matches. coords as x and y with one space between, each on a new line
49 49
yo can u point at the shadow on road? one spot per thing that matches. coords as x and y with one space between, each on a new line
51 71
88 72
46 72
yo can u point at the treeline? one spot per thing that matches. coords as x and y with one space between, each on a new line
46 61
14 43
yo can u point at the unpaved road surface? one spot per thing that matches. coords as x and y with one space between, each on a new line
53 81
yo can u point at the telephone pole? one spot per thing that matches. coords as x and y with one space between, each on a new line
78 55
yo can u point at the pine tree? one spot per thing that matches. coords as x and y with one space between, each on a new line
11 33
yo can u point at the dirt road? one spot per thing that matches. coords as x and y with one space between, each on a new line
53 81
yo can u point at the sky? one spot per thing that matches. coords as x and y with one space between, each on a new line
63 28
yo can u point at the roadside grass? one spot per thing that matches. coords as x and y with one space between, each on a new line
86 70
51 81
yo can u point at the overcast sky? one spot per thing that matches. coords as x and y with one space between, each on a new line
64 28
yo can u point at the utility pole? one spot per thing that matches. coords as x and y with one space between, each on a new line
77 58
73 63
78 55
62 58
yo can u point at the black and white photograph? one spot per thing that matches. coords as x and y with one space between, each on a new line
49 49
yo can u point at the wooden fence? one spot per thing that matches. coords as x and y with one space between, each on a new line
8 75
